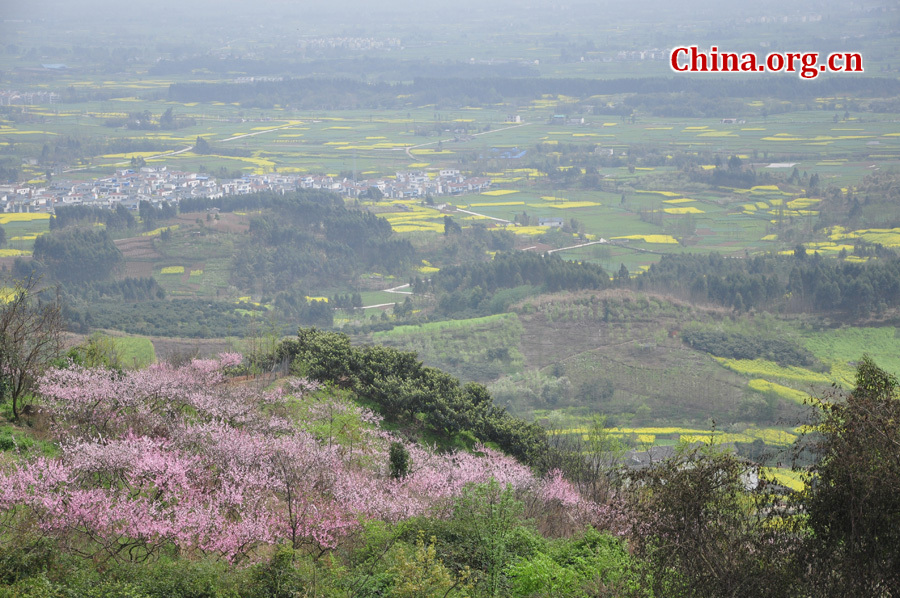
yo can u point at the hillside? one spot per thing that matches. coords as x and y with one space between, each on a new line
197 480
142 471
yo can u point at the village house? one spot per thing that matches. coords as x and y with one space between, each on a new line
127 187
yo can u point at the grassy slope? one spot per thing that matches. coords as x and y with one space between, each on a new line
654 375
479 349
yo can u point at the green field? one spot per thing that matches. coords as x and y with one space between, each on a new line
375 144
848 345
479 349
648 197
134 351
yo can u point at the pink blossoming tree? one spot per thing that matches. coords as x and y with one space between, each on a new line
183 457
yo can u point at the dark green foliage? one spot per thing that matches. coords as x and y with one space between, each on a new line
77 255
177 578
503 299
40 570
259 201
201 146
22 557
117 219
513 269
471 287
509 557
278 578
151 214
736 345
854 499
193 318
789 283
311 237
485 517
410 393
698 532
127 289
399 460
728 177
451 227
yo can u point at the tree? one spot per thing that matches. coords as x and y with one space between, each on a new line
398 460
853 504
483 519
98 350
77 255
30 337
2 237
623 276
699 532
451 227
167 120
814 183
375 194
148 213
201 146
420 573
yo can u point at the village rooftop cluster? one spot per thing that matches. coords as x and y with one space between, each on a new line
128 187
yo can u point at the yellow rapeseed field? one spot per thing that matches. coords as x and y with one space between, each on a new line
663 239
683 210
497 192
764 386
23 217
155 232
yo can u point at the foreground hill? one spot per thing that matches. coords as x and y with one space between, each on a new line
196 480
188 464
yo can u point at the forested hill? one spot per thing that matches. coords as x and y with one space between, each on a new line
489 287
299 240
797 283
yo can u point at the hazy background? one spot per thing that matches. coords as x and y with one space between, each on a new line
440 30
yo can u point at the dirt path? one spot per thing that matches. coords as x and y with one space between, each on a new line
398 291
258 132
601 241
